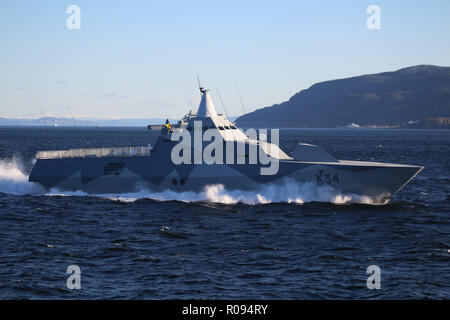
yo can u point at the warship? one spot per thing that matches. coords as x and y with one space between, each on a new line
131 169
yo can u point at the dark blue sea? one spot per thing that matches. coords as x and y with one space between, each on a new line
226 244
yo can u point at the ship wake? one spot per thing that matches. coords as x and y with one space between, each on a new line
14 179
289 192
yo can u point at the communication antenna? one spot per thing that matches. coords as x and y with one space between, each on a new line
73 119
43 117
240 98
223 105
76 127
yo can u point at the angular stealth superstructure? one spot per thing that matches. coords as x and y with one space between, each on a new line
135 168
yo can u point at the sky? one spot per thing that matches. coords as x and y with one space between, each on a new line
141 59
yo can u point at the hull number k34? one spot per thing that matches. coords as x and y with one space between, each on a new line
323 177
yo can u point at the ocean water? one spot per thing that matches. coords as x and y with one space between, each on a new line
293 242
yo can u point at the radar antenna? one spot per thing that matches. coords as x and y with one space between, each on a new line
202 90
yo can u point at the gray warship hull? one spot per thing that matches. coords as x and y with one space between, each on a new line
156 172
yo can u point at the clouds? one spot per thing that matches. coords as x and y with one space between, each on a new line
156 103
63 83
91 98
66 85
107 95
111 95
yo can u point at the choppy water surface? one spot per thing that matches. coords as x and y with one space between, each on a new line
293 243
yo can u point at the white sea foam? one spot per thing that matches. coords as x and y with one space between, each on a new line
14 180
289 192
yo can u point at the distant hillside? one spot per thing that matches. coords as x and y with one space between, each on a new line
390 98
54 121
429 123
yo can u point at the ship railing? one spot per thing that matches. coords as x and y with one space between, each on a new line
95 153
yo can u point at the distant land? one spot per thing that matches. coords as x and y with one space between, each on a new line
414 97
63 122
69 122
429 123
